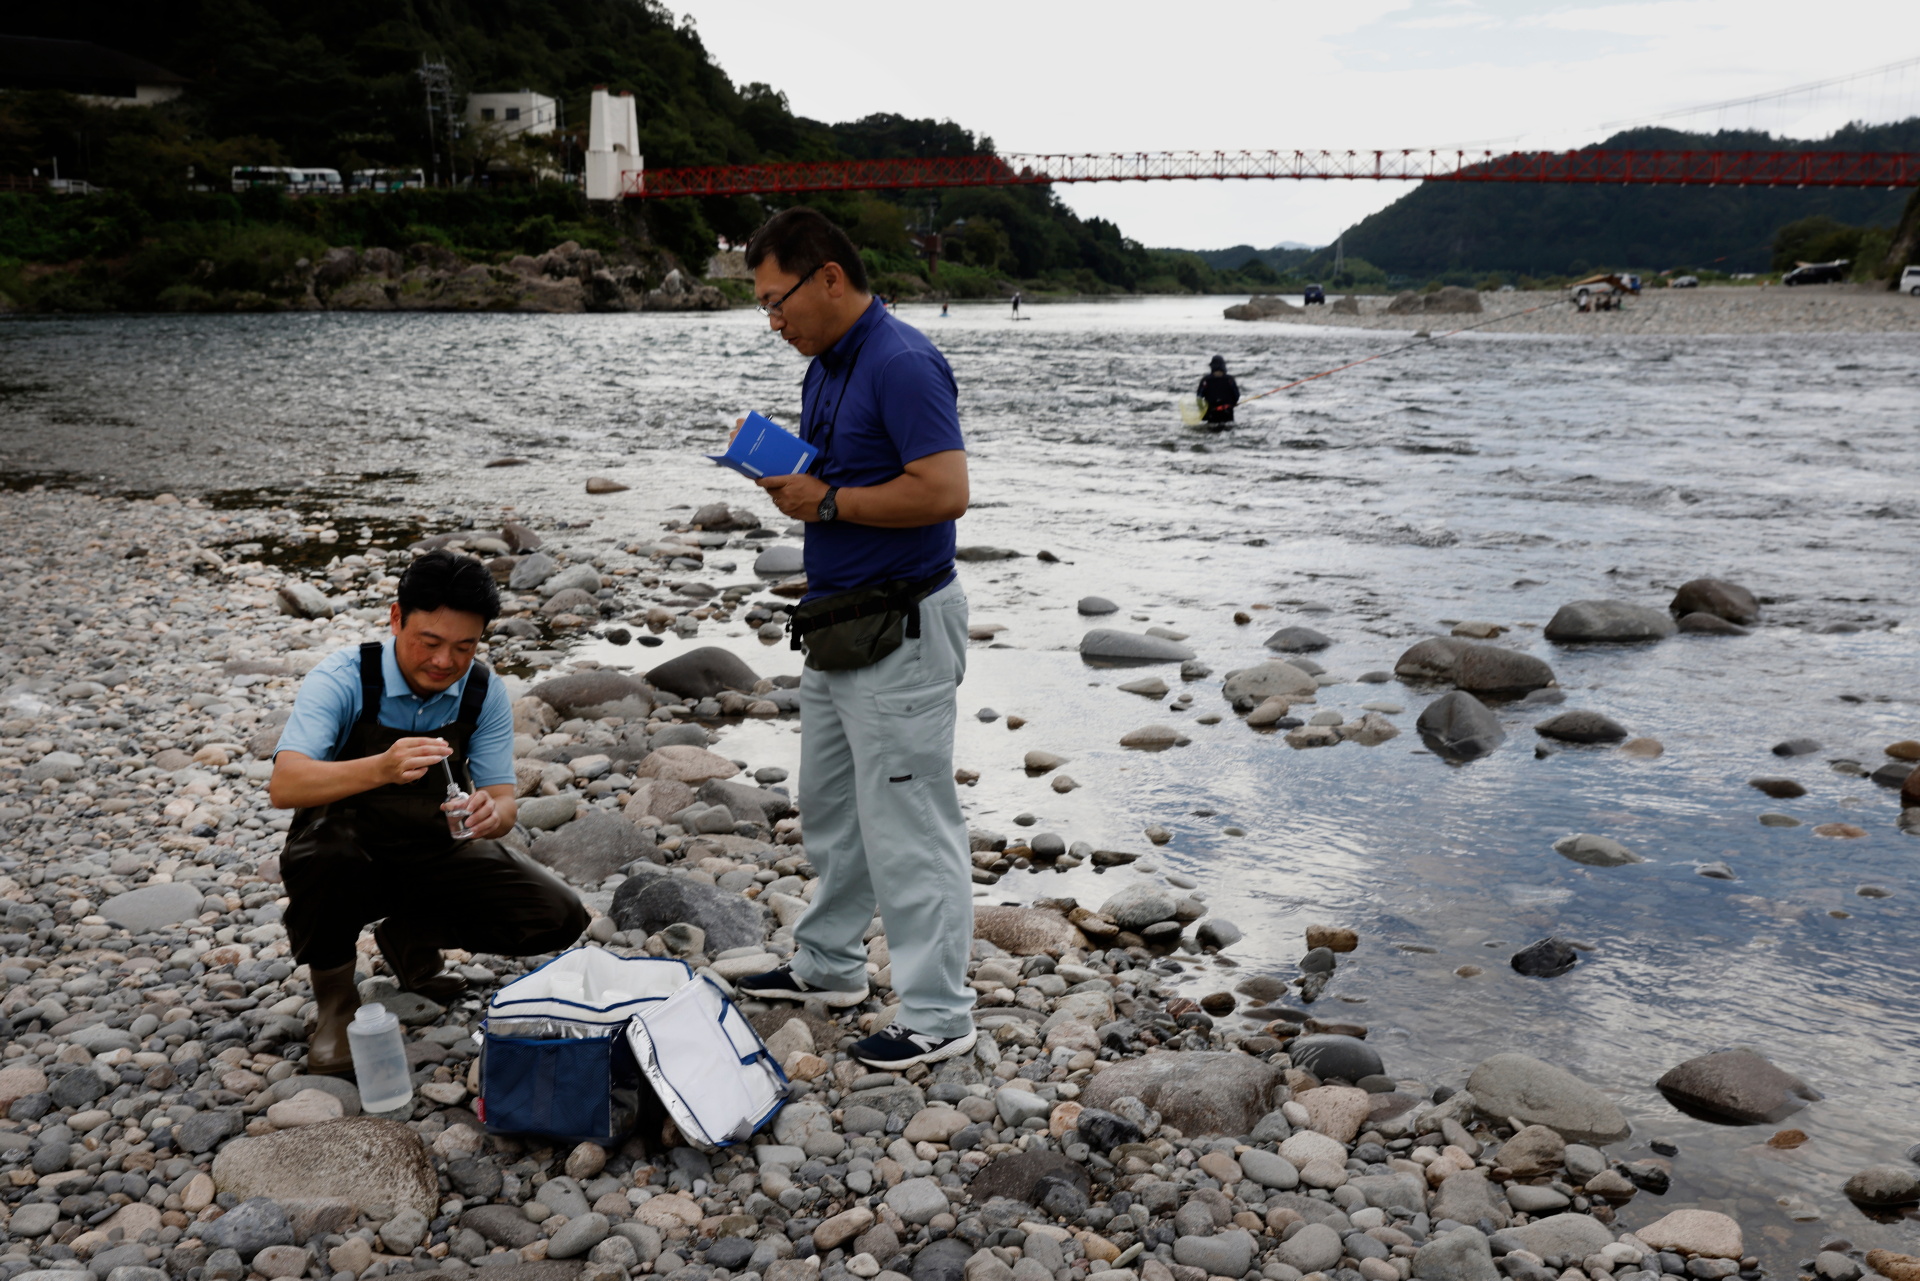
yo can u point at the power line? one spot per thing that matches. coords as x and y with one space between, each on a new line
1757 99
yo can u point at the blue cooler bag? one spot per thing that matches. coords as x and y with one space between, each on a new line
553 1060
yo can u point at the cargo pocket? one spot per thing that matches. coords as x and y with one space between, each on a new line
916 727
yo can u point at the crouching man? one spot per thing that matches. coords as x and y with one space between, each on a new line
375 738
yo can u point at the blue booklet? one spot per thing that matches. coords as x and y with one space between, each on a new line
765 448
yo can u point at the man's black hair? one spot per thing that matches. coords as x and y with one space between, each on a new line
803 240
448 580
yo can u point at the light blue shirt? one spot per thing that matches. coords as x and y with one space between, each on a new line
329 704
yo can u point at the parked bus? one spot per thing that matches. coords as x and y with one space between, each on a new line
386 180
294 182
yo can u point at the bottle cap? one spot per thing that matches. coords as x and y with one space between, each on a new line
374 1017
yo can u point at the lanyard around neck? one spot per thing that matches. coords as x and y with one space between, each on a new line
826 438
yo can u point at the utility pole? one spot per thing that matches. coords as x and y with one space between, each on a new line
437 81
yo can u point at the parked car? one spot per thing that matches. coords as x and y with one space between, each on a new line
1684 282
1817 273
1314 294
1910 281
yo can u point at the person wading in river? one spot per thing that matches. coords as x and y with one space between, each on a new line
365 759
1219 393
884 625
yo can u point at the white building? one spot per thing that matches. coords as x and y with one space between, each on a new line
509 115
613 146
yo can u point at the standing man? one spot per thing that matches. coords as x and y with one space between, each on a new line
366 758
884 625
1219 393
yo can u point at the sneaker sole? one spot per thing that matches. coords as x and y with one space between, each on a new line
951 1050
835 1000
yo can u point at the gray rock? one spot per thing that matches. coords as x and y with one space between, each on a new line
1140 905
780 561
531 571
1314 1248
565 1196
1217 933
757 804
1391 1191
1573 1236
1460 727
1595 851
1716 597
1465 1196
575 578
1545 958
61 767
34 1220
703 673
1226 1254
1710 625
1736 1085
501 1224
592 847
1017 1105
1327 1055
1475 667
1529 1199
577 1236
1580 726
1611 621
1019 1177
1796 747
544 813
944 1260
1269 1169
916 1200
1884 1185
1271 679
1199 1092
153 906
202 1131
1297 640
1460 1255
404 1231
651 900
1583 1162
1111 644
1091 605
249 1228
303 600
1519 1085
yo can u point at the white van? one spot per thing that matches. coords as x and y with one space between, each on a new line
1910 281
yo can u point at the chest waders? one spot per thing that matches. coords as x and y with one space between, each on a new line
387 855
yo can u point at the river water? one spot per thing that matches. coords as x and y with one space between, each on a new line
1488 477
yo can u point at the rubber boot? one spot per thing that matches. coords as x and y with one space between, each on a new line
417 965
329 1053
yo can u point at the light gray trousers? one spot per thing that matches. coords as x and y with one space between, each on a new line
883 826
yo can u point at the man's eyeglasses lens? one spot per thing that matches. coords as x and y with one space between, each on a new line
773 308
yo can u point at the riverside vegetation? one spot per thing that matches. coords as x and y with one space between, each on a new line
1110 1126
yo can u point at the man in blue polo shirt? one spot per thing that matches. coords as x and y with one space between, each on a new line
377 736
883 821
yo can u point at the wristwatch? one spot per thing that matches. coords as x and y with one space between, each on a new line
829 509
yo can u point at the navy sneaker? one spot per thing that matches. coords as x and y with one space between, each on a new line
784 985
895 1047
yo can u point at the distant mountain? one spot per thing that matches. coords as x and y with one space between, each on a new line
1565 229
1286 254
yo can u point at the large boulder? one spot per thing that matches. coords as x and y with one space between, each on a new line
1197 1092
1472 666
1717 597
365 1160
1537 1093
1735 1085
652 899
1459 726
1109 644
583 693
1609 621
703 672
592 847
1272 679
1140 905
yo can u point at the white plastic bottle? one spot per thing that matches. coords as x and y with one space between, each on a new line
379 1059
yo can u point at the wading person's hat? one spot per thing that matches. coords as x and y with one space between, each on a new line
1218 362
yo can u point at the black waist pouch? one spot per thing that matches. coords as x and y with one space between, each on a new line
859 628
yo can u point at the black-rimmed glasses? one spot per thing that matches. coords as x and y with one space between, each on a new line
773 308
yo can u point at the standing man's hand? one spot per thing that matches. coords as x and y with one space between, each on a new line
409 758
798 496
738 423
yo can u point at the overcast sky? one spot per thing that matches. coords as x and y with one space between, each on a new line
1041 76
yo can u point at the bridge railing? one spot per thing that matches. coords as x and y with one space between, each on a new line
1593 165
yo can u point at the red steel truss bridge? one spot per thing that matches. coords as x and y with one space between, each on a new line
1593 166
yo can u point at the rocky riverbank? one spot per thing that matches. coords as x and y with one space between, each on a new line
1812 309
1109 1127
